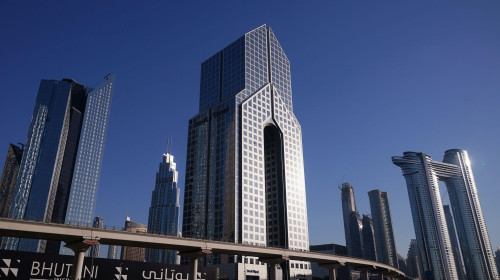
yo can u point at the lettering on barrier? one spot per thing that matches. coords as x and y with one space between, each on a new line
36 266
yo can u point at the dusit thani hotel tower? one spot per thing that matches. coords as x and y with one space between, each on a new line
433 237
244 166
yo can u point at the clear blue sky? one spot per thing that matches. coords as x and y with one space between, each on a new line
371 79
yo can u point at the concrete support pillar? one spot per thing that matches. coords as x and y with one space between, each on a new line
332 269
365 270
76 272
79 247
273 265
193 269
332 274
274 271
193 257
381 276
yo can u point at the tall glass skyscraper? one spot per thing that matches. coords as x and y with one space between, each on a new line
369 247
413 261
113 252
60 168
382 224
353 225
497 258
9 176
454 243
402 264
244 166
164 212
422 175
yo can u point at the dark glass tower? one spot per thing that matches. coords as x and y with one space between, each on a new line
59 173
113 252
422 175
413 261
244 166
165 209
9 176
497 258
352 222
382 224
369 247
402 264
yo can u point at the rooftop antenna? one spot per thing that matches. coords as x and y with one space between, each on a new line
107 76
169 145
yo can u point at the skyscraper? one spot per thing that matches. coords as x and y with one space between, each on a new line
402 264
352 222
9 176
497 257
382 224
244 166
130 253
369 247
113 252
454 242
94 250
430 225
60 168
165 209
422 175
413 263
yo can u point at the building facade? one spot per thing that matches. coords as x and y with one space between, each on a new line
497 257
244 165
113 252
129 253
382 224
164 212
60 167
369 247
94 250
402 264
454 242
9 176
422 175
352 222
413 264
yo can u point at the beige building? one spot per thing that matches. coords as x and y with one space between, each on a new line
134 253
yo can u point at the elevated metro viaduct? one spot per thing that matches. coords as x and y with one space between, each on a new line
79 239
